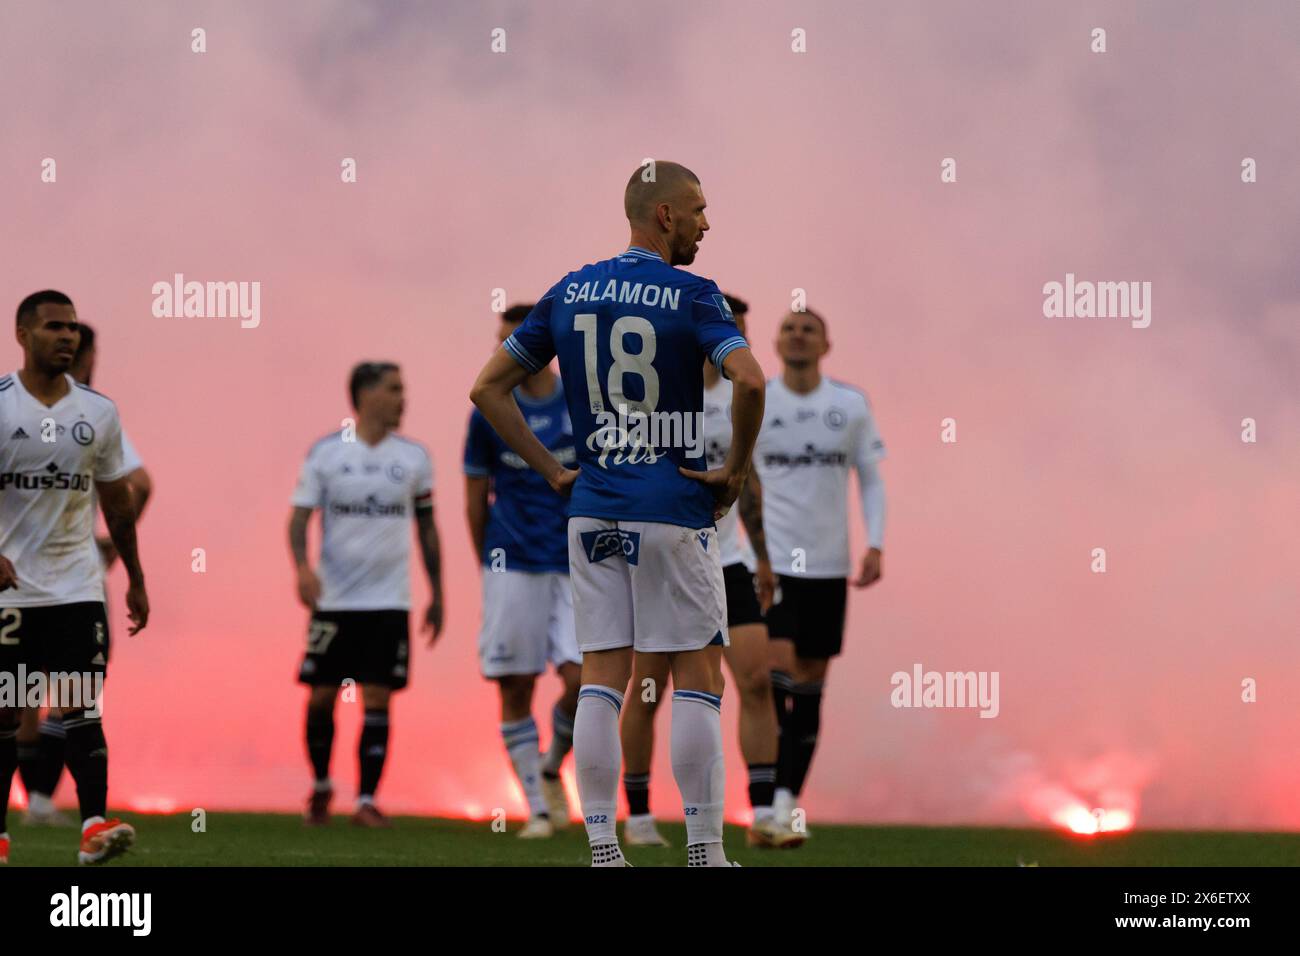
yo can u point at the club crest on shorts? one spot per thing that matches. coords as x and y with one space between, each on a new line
611 543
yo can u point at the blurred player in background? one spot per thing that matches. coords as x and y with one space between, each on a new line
60 449
517 524
41 742
747 655
368 483
815 430
631 333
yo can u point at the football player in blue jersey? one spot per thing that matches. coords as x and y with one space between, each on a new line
517 524
630 334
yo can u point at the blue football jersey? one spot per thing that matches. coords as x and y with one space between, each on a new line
526 519
631 334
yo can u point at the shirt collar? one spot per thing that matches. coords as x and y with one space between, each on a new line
637 250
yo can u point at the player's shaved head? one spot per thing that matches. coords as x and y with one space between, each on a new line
665 204
652 184
819 317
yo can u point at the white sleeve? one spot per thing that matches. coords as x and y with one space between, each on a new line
872 487
424 481
109 465
870 450
130 457
309 492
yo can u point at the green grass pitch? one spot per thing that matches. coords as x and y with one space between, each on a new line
264 839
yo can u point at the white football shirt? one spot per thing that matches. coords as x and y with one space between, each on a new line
130 457
367 496
50 458
803 455
717 445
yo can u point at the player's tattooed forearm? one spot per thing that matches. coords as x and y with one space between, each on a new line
121 530
430 548
298 535
751 515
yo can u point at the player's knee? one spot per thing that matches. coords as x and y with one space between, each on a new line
516 692
29 724
374 697
810 670
780 655
568 701
754 683
321 699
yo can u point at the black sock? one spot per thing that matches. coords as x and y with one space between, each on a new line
87 756
373 750
762 784
29 758
781 684
637 788
320 740
805 721
8 764
49 765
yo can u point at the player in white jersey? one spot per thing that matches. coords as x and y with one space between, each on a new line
60 447
368 483
41 742
747 655
815 431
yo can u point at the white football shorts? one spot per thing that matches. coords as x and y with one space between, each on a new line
527 620
651 586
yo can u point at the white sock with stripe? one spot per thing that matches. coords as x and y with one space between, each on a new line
597 758
520 737
700 769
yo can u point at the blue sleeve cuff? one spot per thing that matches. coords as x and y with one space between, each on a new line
725 348
520 355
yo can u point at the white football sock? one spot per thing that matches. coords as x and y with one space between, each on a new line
39 804
597 758
520 737
700 769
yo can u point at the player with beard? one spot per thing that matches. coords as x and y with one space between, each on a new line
60 449
631 333
41 742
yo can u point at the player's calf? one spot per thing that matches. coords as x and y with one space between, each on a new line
597 754
8 764
699 768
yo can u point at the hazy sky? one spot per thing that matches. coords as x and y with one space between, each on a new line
479 170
